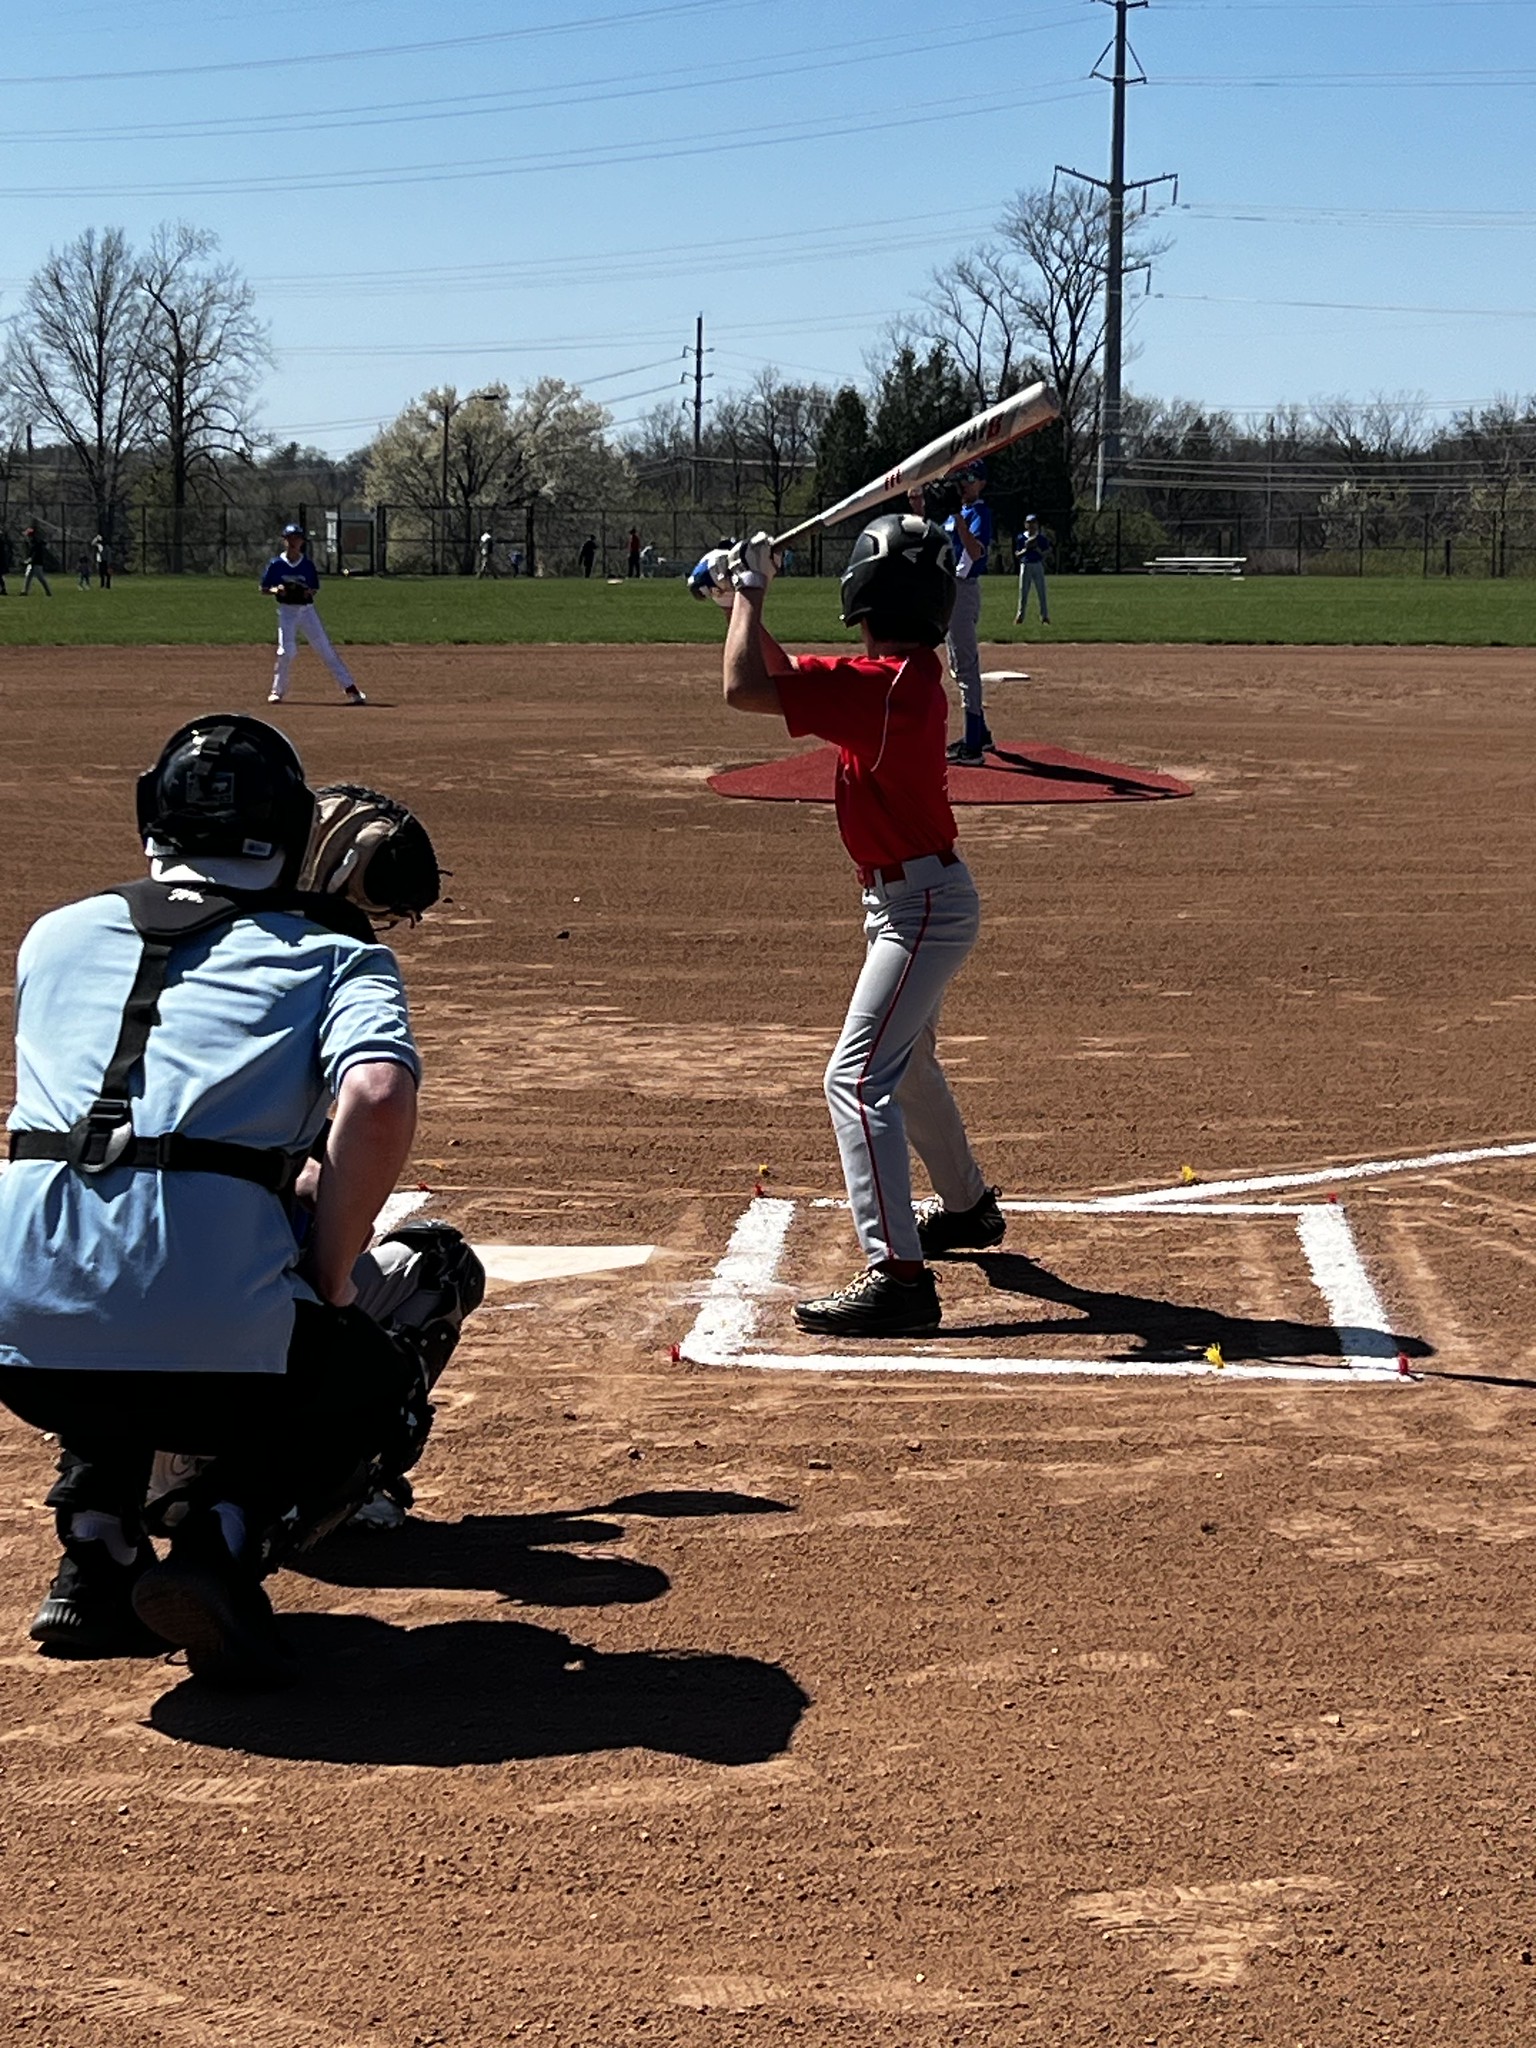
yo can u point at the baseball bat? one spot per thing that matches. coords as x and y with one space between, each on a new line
1000 425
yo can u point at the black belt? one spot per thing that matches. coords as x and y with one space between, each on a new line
169 1153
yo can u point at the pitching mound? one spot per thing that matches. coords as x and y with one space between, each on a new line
1027 773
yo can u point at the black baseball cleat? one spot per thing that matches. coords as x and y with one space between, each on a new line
977 1229
88 1610
210 1604
876 1304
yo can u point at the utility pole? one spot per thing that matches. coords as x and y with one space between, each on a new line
1122 56
698 407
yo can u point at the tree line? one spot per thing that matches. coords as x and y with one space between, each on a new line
136 374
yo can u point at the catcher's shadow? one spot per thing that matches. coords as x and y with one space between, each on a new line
488 1692
1166 1330
521 1557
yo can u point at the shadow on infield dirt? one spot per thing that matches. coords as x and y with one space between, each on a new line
1164 1330
486 1692
514 1555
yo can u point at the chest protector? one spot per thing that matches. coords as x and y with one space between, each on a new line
167 915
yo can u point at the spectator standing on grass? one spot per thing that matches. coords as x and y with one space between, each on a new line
1030 548
83 569
632 559
587 554
486 566
101 548
34 563
648 560
5 559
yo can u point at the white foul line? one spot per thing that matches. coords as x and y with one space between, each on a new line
725 1323
1374 1169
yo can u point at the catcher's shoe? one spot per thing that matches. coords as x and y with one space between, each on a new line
977 1229
210 1604
88 1610
876 1304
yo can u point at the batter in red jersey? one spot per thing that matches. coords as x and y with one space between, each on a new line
886 712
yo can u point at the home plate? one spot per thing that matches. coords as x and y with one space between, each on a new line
1005 675
515 1265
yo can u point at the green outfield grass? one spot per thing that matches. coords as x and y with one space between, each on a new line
1283 611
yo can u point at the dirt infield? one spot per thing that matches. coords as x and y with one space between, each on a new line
724 1707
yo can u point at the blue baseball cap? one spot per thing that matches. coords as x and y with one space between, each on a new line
293 529
973 471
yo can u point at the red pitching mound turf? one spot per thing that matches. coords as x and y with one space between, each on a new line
1029 773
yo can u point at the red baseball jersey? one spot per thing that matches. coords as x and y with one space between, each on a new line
888 718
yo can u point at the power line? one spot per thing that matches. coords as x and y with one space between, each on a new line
583 91
603 156
1353 306
434 48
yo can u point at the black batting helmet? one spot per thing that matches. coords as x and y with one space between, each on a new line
901 579
231 787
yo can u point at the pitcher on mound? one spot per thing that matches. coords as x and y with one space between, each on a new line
886 712
292 578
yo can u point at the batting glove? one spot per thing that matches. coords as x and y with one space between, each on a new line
753 563
712 578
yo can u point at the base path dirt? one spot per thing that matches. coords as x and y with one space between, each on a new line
715 1708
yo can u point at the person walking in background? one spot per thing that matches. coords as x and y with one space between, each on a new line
101 549
486 566
34 563
5 559
1030 548
632 561
587 554
83 569
970 535
293 580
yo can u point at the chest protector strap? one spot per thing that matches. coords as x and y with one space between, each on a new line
167 915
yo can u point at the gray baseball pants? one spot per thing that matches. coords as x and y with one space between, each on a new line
884 1084
964 649
1032 578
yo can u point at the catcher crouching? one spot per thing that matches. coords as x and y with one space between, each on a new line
183 1263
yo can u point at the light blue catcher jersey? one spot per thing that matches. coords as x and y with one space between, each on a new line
177 1272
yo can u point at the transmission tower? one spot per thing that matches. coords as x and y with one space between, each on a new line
1119 52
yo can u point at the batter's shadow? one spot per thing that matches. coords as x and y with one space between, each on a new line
1168 1331
489 1692
521 1557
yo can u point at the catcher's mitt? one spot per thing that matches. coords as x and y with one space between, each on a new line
371 849
293 591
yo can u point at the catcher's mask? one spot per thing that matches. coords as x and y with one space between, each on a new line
901 579
231 787
369 848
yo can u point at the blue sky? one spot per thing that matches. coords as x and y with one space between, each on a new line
497 190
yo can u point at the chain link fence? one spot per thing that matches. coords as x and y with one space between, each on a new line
1454 536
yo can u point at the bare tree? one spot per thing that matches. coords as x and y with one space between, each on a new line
75 361
974 306
780 425
202 352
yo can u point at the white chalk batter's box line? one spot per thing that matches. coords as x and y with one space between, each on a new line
725 1332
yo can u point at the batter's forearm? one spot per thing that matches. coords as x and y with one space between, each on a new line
753 658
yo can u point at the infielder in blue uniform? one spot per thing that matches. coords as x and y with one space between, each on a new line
970 534
1030 548
180 1042
293 580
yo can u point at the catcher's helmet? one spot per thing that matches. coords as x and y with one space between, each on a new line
901 578
228 786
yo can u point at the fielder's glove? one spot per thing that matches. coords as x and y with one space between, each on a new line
293 591
369 848
753 563
712 578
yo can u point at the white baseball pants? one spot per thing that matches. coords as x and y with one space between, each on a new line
884 1084
296 619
